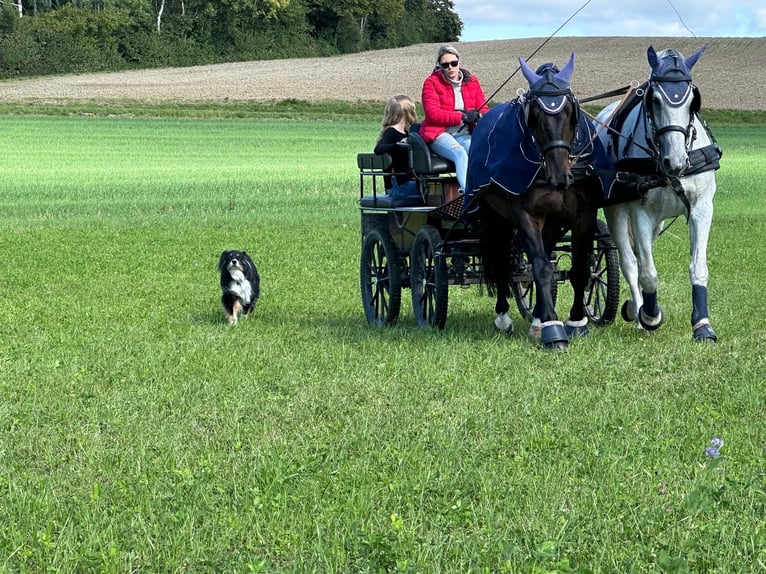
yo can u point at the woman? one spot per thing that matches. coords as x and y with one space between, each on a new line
398 116
453 102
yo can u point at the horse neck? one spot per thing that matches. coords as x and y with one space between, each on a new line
703 136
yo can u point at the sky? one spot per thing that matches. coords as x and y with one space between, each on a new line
508 19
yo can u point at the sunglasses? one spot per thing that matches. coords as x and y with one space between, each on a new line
446 65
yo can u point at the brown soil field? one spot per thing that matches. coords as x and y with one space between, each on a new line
727 74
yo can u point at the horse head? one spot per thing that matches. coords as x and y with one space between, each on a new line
671 102
551 113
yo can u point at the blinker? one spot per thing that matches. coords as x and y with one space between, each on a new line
674 93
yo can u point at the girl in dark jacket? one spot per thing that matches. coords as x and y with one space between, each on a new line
398 116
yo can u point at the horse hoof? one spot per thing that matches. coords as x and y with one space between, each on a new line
577 329
651 323
627 312
554 337
705 333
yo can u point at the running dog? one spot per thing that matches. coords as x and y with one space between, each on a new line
240 284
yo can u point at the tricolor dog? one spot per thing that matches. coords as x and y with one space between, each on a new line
240 284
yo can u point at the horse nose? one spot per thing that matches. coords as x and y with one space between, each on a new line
561 181
672 167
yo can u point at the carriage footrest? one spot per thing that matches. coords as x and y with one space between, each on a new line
387 201
450 210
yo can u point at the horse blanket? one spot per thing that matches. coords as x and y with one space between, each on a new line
503 151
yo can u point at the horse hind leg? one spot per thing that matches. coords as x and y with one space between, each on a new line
651 315
494 242
501 271
621 231
503 322
579 277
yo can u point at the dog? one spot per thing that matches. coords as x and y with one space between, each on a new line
240 284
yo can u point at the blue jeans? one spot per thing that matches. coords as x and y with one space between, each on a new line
407 189
454 148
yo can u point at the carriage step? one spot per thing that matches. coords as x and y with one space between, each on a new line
387 201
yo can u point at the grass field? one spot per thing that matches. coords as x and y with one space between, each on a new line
140 433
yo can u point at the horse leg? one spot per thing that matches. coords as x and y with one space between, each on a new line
503 321
550 239
579 275
552 333
618 221
495 246
645 228
500 266
699 230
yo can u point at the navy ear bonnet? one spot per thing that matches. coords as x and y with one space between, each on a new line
545 67
551 92
671 77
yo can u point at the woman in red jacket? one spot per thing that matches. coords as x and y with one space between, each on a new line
453 102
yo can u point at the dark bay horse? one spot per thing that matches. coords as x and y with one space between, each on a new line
521 174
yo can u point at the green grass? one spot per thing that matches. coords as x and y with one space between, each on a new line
139 432
284 109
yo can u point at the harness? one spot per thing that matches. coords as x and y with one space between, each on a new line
551 95
636 176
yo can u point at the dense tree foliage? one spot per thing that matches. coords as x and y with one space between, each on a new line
40 37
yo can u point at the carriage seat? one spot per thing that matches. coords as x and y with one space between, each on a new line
373 169
423 161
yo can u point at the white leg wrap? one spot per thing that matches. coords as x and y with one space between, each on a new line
575 324
535 329
503 322
699 323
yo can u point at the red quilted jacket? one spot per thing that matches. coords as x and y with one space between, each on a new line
438 99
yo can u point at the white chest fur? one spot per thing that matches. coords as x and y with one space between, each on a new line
240 286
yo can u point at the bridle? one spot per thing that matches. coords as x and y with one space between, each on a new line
654 133
552 102
673 86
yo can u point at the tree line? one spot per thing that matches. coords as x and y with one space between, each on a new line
39 37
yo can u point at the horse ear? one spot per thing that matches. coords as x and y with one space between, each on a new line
691 60
529 74
651 55
566 73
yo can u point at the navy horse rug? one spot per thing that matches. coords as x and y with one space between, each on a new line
503 151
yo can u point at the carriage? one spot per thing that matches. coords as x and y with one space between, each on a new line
430 243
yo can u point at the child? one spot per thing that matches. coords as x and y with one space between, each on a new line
398 116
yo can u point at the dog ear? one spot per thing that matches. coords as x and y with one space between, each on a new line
222 260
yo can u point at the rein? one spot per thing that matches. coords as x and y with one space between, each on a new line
535 51
475 197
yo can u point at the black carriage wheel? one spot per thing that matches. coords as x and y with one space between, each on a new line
380 278
523 285
428 278
602 298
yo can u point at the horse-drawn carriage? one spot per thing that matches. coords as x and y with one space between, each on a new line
431 242
537 168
